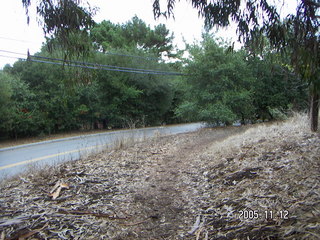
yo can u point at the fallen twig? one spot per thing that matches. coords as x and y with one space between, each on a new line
75 212
16 220
195 225
24 233
33 232
266 196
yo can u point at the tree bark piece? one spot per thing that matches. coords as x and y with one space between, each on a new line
314 111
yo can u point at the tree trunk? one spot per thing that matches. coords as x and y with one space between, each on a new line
314 110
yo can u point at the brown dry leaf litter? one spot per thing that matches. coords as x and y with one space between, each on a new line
258 182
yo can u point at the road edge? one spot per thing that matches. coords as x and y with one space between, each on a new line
84 136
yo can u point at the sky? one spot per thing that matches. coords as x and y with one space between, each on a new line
17 36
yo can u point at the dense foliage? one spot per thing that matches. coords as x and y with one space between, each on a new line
227 86
40 98
260 22
68 26
219 86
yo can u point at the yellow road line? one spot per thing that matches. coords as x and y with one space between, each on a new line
49 156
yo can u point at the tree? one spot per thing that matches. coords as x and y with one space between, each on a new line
277 88
220 85
65 24
132 97
22 116
5 102
133 34
298 36
47 98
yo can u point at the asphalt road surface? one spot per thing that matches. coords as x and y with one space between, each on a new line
15 160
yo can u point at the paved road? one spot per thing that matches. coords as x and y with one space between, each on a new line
15 160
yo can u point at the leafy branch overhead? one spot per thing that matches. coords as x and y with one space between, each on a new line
222 13
65 24
256 18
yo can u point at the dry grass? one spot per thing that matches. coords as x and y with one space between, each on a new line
124 142
278 132
271 170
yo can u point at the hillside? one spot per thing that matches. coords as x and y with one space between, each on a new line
252 182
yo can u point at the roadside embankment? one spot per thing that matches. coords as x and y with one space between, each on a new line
252 182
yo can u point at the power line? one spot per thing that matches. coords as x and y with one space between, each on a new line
95 66
12 52
107 53
102 65
17 40
103 68
86 63
11 57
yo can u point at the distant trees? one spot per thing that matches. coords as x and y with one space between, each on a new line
145 98
220 87
5 102
132 97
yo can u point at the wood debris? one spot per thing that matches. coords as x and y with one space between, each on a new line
55 191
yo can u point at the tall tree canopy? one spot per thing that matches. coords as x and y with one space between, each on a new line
134 33
257 20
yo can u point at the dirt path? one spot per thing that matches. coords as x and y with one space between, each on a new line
166 192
